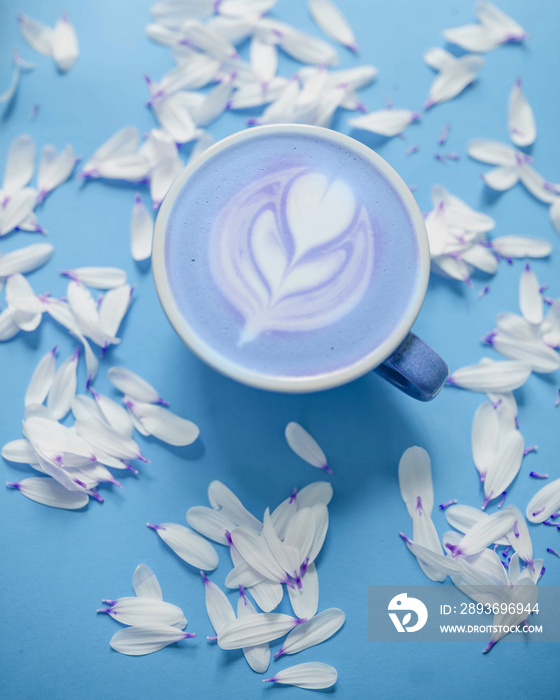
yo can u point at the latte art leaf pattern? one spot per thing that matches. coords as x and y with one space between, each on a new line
292 252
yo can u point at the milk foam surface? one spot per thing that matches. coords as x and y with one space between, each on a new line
290 255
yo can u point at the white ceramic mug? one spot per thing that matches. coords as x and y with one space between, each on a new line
257 259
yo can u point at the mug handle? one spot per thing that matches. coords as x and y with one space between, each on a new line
415 369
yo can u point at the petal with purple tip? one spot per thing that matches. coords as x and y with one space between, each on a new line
218 607
132 385
387 122
255 629
305 446
521 120
544 503
331 20
50 493
313 675
188 545
257 656
145 639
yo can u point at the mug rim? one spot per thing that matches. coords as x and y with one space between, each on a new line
275 382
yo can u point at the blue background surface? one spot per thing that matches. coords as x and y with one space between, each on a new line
57 565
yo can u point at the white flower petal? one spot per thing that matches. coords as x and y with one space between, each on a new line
214 105
65 49
173 112
300 534
50 493
306 447
282 515
521 247
492 152
306 48
436 227
164 424
86 312
133 385
530 299
54 168
241 8
491 376
141 231
218 607
283 107
18 209
485 532
123 143
115 415
313 675
257 656
161 179
331 20
505 466
287 556
321 516
521 120
439 59
267 595
534 354
264 59
196 71
473 37
387 122
210 523
20 165
243 575
484 439
544 503
223 499
134 611
315 631
8 94
454 79
425 535
145 583
63 388
27 309
36 34
42 379
480 257
523 597
314 493
554 213
501 178
255 629
491 16
415 481
536 184
8 327
98 277
145 639
188 545
451 266
19 451
305 600
130 168
113 309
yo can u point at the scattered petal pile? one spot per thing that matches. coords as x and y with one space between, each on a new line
153 623
281 549
474 568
